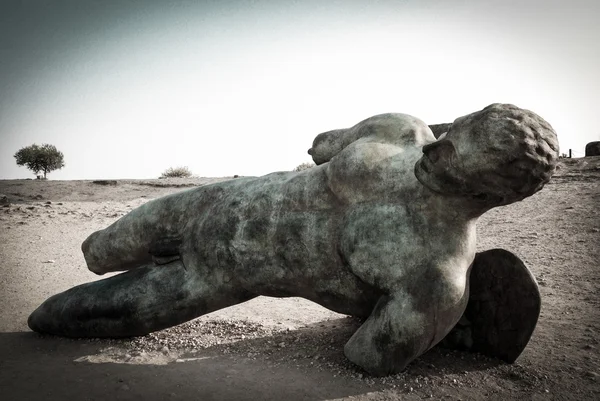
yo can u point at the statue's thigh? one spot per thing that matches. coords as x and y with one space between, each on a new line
134 303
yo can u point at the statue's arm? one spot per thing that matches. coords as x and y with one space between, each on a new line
398 129
420 306
394 334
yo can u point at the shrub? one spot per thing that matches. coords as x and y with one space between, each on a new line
177 172
304 166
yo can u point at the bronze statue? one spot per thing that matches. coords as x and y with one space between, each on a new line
382 228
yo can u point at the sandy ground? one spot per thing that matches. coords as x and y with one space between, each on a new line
290 348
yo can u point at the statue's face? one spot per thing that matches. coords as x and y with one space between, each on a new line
451 164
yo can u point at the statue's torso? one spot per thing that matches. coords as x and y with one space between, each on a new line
338 235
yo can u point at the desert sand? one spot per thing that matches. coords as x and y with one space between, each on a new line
273 349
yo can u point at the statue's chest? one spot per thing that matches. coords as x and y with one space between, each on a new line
391 245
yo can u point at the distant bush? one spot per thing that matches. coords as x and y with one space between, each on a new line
177 172
304 166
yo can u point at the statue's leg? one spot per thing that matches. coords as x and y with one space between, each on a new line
503 309
153 232
134 303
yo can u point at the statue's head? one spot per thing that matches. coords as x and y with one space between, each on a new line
496 156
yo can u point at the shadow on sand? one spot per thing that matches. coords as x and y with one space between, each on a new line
44 367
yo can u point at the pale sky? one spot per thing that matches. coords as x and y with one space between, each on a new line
126 89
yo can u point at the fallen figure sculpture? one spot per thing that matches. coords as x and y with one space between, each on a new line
383 228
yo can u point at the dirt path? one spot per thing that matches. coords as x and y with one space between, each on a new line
290 348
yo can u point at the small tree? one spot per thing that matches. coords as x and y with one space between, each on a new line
44 158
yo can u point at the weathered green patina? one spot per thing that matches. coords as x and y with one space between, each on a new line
382 228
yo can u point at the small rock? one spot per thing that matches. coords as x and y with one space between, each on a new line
48 203
105 182
592 149
49 261
38 197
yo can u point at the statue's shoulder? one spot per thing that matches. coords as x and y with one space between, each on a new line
394 128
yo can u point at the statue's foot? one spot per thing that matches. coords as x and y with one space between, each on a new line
503 309
133 303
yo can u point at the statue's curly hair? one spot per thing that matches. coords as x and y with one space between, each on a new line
524 146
